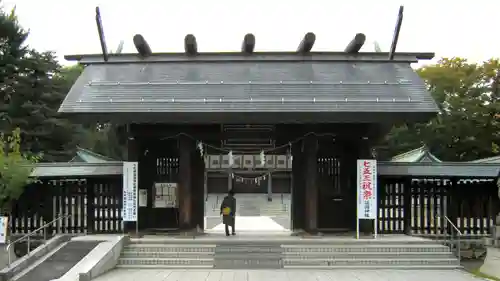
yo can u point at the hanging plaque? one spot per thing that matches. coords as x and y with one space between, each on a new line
165 195
143 197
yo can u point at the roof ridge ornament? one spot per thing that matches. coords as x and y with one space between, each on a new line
190 45
307 43
142 46
248 45
356 43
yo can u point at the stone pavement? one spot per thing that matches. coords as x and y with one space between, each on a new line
285 275
251 223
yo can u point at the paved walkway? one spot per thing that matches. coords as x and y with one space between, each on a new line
286 275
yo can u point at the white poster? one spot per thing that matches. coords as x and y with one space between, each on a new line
165 195
130 191
4 226
367 189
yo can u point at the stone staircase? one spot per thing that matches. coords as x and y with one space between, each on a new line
254 252
257 255
153 254
252 205
376 255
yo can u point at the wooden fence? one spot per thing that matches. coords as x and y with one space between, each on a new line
419 206
93 205
405 205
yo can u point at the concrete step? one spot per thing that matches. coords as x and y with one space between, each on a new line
248 256
377 267
269 212
249 264
368 255
378 248
163 266
167 255
157 247
278 239
369 262
248 249
172 262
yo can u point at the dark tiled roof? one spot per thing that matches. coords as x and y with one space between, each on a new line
421 154
60 169
494 159
445 169
249 86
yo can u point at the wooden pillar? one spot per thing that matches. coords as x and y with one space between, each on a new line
298 188
186 147
311 182
349 177
269 186
47 204
407 195
198 190
147 177
230 179
90 206
453 204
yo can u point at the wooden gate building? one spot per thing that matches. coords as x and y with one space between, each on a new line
324 110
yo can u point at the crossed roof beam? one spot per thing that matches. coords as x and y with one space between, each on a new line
248 45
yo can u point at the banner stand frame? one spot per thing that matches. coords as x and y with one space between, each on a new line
375 228
137 210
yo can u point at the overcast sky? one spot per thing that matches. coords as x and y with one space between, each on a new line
448 28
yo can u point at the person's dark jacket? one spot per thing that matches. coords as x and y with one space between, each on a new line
229 201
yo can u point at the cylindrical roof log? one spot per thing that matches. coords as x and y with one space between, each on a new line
142 46
307 43
190 46
356 43
248 43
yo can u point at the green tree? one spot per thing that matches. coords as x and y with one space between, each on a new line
465 129
106 139
15 169
31 94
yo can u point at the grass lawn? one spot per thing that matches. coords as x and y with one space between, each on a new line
473 266
482 275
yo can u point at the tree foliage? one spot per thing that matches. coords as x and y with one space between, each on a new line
32 89
15 169
466 127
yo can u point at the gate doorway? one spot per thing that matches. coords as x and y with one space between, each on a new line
263 200
336 196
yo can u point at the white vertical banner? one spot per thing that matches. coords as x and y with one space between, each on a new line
130 191
4 228
367 193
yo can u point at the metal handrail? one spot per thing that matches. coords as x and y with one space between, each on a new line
28 236
459 234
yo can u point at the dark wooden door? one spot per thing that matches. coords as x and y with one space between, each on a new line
157 166
336 205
